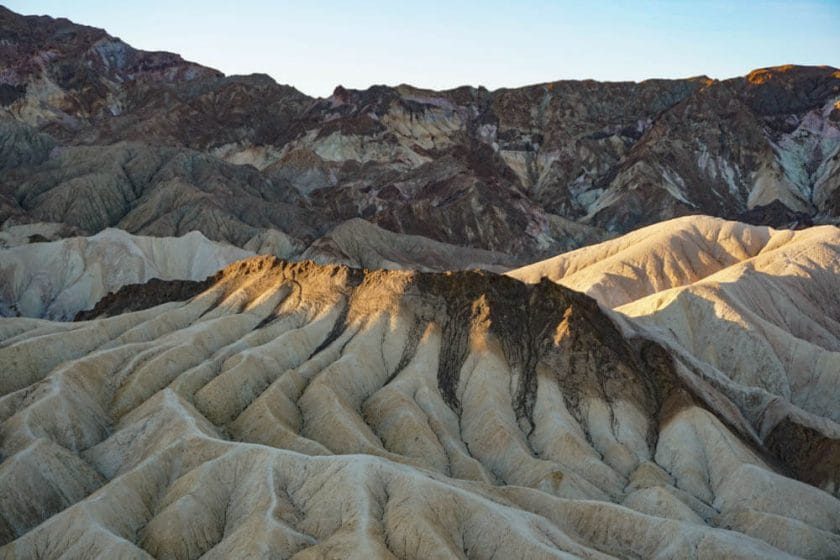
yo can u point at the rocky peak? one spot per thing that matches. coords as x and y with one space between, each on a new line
43 47
789 88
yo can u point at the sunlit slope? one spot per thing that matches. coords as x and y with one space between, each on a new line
302 411
666 255
753 311
769 329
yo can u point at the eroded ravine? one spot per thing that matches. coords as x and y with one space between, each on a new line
295 409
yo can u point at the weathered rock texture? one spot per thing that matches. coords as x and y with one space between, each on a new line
360 244
58 279
298 410
96 134
751 310
61 278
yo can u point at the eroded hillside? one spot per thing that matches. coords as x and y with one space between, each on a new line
308 411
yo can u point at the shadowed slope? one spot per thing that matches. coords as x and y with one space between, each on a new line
359 243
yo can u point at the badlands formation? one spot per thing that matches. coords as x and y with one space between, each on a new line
237 321
752 310
319 411
58 279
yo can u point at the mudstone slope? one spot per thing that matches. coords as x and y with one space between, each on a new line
752 310
57 279
308 411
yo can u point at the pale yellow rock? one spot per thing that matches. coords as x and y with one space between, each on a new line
60 278
300 411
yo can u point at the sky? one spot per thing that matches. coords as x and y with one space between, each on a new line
316 45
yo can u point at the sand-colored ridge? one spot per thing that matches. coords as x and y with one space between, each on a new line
299 410
57 279
654 258
751 310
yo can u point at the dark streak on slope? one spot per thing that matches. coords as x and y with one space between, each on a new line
538 323
544 327
813 457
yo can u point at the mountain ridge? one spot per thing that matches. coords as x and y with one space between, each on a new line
742 306
529 172
495 399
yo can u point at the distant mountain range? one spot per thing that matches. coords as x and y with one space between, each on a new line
96 134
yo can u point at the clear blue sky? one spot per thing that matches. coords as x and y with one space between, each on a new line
315 45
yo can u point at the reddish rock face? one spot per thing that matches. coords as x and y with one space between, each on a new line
528 172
